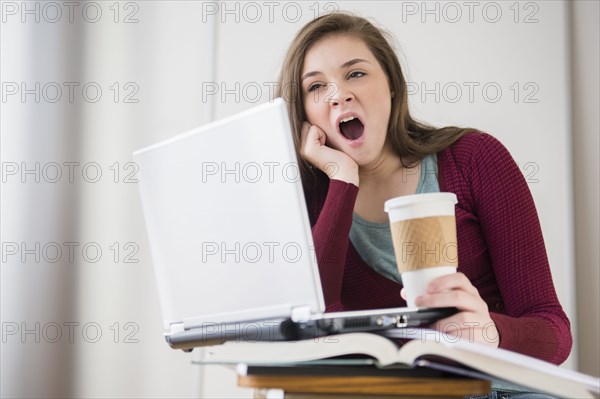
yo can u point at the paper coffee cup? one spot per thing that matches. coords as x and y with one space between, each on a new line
423 228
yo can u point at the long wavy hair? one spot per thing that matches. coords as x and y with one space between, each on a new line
410 139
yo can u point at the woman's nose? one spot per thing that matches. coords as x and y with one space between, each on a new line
339 94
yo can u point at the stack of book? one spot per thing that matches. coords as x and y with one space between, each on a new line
415 353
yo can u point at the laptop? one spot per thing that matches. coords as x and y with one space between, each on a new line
231 242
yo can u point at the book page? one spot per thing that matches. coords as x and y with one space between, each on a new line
501 363
380 348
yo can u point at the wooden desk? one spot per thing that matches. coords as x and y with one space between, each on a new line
357 386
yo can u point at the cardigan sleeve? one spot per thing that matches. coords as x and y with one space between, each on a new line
330 235
535 323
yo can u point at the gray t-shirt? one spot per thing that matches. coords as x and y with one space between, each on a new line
373 241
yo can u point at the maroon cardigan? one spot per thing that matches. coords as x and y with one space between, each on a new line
500 248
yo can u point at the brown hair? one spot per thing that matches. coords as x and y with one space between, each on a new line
409 139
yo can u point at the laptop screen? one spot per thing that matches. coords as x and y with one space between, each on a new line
226 220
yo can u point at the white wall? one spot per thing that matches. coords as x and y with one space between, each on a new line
35 293
586 177
158 59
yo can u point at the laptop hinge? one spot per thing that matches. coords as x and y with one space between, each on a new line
301 313
239 316
175 328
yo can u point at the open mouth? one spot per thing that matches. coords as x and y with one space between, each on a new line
351 128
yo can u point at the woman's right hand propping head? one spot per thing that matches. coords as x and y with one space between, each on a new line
334 163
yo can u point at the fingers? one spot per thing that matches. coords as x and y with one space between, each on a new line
312 139
452 290
470 329
312 134
462 321
334 163
304 133
455 290
303 137
453 298
454 281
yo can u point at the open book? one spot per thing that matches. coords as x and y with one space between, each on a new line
425 349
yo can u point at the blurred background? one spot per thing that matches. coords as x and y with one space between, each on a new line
85 83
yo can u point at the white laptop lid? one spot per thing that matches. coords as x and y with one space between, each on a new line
227 222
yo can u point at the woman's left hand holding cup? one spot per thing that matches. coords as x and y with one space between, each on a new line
473 321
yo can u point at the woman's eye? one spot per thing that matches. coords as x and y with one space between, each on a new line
356 74
315 86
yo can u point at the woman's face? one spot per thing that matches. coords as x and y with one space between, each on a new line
347 95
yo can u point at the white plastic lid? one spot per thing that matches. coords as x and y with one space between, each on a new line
420 205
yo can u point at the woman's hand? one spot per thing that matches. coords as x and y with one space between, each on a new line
334 163
473 321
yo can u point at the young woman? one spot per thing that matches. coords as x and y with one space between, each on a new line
359 146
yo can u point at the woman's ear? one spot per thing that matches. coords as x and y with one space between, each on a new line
392 94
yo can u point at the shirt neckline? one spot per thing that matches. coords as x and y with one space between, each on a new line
368 223
418 190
